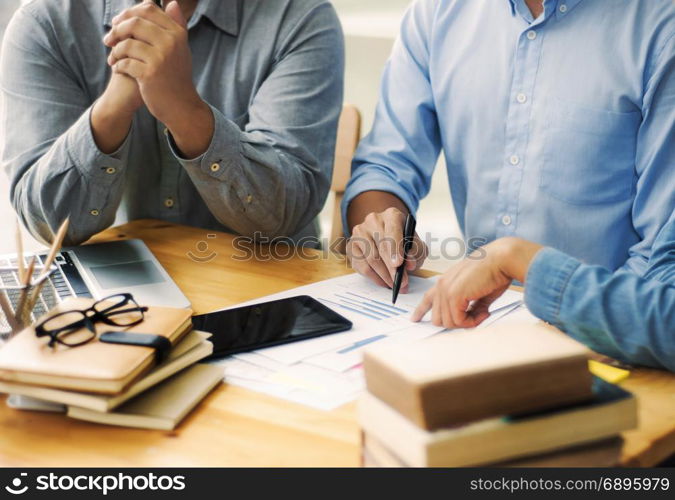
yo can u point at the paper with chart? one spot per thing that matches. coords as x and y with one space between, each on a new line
325 372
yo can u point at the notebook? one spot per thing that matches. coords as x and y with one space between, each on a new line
611 411
193 348
163 406
605 453
96 366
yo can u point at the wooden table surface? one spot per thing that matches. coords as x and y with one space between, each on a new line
238 427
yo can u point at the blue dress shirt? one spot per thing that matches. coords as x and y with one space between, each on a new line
560 130
628 317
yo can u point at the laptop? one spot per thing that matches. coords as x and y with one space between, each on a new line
96 271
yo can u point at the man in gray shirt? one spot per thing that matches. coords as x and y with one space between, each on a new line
119 110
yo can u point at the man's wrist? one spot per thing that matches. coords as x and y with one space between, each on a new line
110 125
108 113
372 202
516 256
192 127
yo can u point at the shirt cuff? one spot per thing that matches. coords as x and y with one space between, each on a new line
547 279
224 146
86 156
372 178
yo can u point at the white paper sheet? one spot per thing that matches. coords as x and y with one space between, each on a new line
366 305
325 372
346 357
300 383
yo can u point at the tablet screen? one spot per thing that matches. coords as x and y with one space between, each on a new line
270 323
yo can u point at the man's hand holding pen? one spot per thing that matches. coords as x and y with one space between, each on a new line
376 248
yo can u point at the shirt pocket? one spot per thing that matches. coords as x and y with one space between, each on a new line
588 154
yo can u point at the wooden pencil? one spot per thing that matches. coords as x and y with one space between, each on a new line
7 310
19 253
21 314
56 246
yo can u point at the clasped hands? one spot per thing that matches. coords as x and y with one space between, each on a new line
152 65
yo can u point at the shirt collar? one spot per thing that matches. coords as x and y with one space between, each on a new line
569 5
224 14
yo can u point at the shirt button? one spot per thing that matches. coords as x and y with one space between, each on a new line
94 212
521 98
110 170
514 160
531 35
506 220
215 167
563 8
168 203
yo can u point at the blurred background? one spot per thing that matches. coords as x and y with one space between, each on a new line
370 29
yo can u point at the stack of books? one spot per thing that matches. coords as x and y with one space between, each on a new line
508 395
111 383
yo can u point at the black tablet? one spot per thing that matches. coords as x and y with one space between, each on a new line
270 323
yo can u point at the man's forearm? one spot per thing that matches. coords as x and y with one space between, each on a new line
109 126
71 179
372 201
193 129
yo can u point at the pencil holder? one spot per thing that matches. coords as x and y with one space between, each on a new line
18 303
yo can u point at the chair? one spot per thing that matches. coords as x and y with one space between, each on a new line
348 136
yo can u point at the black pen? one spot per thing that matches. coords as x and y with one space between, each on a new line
408 238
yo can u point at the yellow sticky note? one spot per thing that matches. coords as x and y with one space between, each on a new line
608 373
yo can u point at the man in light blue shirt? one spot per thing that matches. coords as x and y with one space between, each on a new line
557 122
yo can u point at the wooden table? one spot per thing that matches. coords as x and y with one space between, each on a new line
237 427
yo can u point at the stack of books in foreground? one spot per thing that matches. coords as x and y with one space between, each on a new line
111 383
508 395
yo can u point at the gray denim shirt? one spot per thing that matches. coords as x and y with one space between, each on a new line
272 71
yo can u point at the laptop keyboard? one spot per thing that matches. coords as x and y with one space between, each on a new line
56 289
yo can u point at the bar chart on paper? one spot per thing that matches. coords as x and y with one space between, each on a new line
325 372
357 297
364 306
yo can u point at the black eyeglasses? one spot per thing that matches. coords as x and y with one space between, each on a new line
76 328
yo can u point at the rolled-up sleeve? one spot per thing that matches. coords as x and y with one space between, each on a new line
272 178
619 314
400 152
48 150
547 280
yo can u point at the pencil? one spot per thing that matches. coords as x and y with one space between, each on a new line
7 310
56 246
20 314
35 295
19 253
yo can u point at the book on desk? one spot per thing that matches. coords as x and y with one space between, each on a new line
111 383
485 397
95 367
